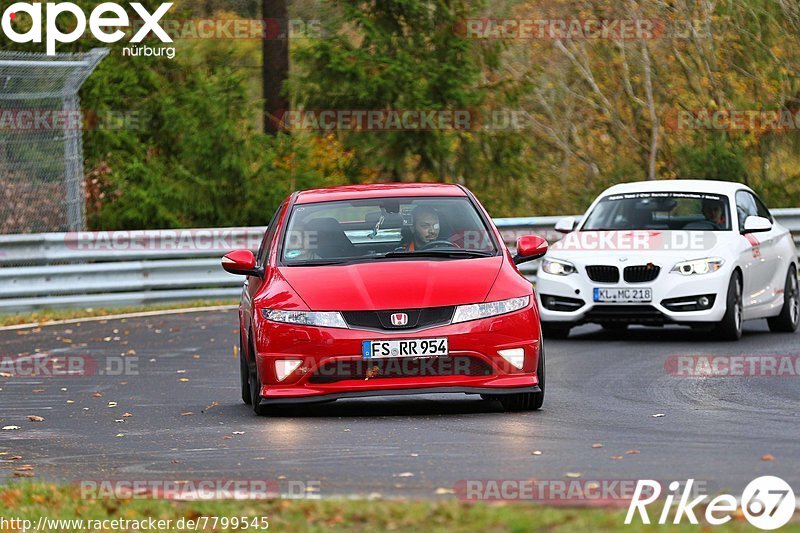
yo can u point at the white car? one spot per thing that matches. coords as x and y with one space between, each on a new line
706 254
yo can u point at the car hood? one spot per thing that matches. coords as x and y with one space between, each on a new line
402 284
636 247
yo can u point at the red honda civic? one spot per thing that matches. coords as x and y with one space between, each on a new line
369 290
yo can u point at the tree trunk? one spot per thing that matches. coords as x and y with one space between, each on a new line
275 47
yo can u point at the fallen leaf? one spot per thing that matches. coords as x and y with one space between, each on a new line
119 420
414 455
112 404
443 490
658 415
15 458
616 457
632 452
34 418
126 415
37 390
406 474
536 452
573 474
188 413
70 401
97 395
767 457
120 434
23 474
24 468
238 432
597 445
213 404
11 428
195 356
183 380
181 372
227 437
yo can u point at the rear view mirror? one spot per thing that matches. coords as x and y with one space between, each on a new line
241 262
565 225
753 224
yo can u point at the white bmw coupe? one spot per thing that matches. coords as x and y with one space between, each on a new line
706 254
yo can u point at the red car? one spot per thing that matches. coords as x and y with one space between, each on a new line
385 289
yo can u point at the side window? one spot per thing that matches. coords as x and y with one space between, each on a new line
263 250
745 207
762 209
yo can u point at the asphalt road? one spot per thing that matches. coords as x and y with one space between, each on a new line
188 422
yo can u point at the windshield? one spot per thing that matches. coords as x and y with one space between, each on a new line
660 211
385 229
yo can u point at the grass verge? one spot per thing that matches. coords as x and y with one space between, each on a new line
33 500
50 315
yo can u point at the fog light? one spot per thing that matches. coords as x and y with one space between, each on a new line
702 301
515 356
284 367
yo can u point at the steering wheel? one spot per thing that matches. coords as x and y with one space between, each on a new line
438 244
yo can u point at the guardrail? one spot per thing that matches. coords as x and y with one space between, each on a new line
104 269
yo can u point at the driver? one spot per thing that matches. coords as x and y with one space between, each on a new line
425 228
714 212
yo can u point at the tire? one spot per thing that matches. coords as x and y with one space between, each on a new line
615 326
787 321
555 330
255 391
244 374
525 401
730 327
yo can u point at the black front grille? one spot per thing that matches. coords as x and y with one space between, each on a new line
401 367
417 318
641 273
603 273
630 314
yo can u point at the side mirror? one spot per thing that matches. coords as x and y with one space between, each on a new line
565 225
530 247
753 224
241 262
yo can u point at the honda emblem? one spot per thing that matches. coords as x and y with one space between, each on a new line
399 319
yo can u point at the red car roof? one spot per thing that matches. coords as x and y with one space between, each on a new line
377 190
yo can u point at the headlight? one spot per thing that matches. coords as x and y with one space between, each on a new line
699 266
465 313
558 268
306 318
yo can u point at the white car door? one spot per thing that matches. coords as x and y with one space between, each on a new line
761 261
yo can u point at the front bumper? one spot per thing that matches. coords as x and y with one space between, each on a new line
332 366
666 287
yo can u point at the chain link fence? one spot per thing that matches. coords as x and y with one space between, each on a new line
41 149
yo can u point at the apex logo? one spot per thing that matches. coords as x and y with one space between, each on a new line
104 17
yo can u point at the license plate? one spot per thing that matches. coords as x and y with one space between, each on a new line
620 295
404 348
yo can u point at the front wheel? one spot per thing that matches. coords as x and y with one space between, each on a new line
786 322
730 327
244 374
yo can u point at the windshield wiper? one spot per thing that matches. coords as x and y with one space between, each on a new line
438 253
319 262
